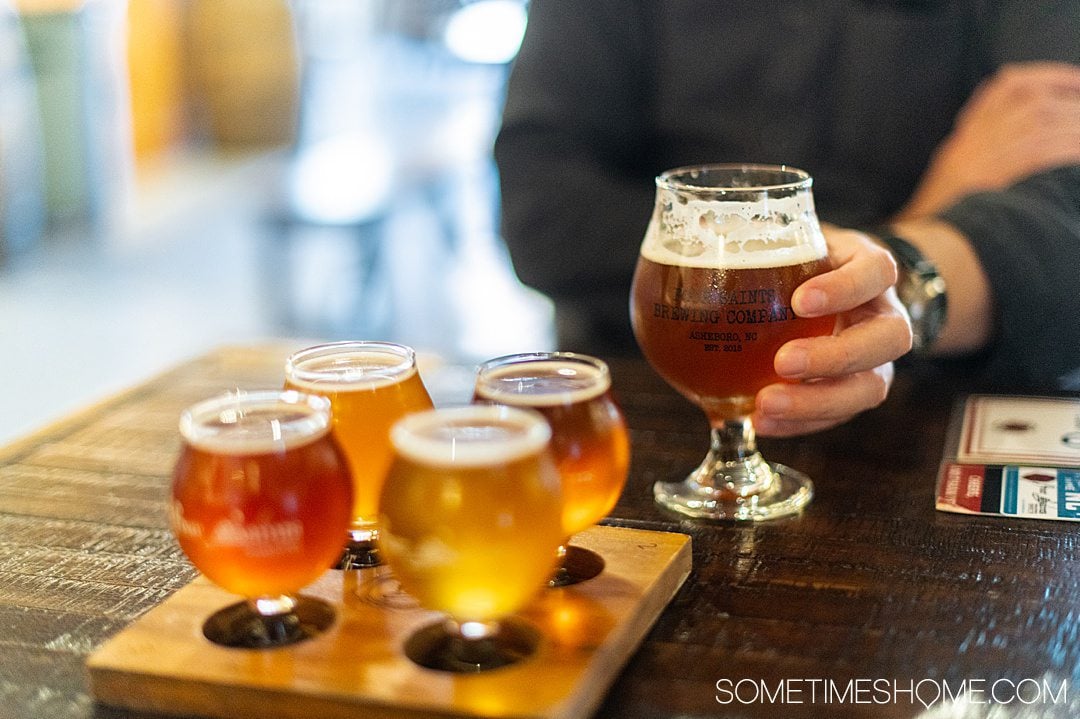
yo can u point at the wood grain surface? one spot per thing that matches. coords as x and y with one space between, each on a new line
358 666
870 582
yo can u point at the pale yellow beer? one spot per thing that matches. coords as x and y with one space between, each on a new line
370 386
470 514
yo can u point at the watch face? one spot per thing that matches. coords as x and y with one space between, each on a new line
924 298
921 290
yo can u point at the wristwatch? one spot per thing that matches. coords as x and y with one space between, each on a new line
920 288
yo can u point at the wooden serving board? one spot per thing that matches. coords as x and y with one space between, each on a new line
163 662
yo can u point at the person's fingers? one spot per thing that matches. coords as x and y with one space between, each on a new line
772 427
859 279
788 409
1046 131
1027 76
870 336
1045 113
1014 82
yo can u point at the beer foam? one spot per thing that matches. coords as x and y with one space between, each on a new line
349 371
473 436
255 423
548 383
719 234
344 366
350 381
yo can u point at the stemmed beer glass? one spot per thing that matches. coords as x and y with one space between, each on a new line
260 498
370 385
589 439
470 521
710 306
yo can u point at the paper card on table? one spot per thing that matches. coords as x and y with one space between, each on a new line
1012 429
1013 456
1010 490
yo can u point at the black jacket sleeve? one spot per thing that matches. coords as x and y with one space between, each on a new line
568 151
1027 236
1028 241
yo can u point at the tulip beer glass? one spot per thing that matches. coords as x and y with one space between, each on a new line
470 520
370 386
710 305
260 498
589 439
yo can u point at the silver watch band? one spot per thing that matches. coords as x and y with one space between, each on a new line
921 289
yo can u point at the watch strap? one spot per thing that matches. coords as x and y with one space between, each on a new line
921 288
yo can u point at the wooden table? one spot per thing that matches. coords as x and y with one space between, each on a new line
868 593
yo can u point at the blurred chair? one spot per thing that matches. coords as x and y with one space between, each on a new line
391 180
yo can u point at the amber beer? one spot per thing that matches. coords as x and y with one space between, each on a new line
370 386
470 512
712 332
589 439
260 492
710 304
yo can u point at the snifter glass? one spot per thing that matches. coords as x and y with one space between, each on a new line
710 306
370 386
589 438
260 498
470 514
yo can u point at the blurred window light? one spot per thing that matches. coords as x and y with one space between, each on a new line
343 179
486 31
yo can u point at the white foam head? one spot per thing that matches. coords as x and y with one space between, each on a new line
244 423
555 380
472 436
347 366
740 227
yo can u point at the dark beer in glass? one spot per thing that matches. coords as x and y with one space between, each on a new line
711 304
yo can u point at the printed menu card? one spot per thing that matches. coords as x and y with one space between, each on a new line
1013 456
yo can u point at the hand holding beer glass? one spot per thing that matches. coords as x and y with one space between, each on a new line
589 438
710 306
470 522
260 497
370 386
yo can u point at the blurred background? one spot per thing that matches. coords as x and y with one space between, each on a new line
177 175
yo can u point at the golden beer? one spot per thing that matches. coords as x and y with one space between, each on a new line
370 386
589 439
470 511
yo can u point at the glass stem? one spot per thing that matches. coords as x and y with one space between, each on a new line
475 630
734 467
273 606
274 622
562 576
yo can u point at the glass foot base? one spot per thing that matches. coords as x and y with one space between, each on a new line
578 565
379 587
788 493
240 626
437 647
359 554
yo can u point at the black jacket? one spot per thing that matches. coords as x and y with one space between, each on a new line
605 94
